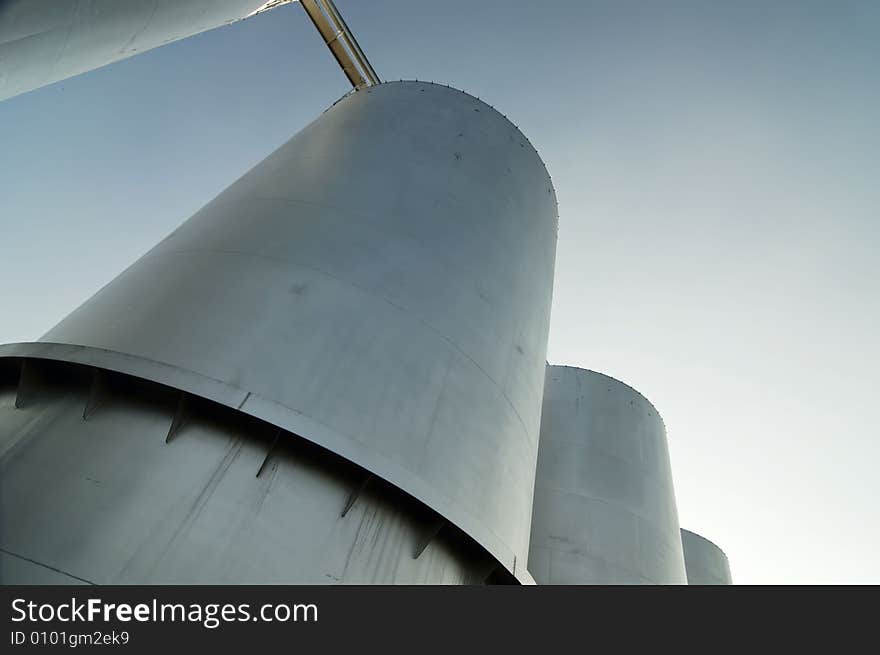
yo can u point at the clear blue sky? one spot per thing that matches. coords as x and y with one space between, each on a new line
718 172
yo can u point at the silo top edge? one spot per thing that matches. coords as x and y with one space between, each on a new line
708 541
613 379
349 94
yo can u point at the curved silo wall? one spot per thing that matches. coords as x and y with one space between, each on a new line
223 498
706 563
604 509
379 286
43 42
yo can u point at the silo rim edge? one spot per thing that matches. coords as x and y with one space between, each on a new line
613 379
386 83
273 412
708 541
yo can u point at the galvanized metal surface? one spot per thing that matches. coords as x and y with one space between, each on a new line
604 509
341 42
705 562
380 285
111 500
43 42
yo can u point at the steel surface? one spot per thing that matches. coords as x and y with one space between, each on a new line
341 42
43 41
109 500
380 285
604 510
705 562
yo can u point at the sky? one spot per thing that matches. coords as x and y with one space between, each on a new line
716 165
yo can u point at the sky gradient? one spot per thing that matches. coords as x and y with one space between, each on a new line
717 169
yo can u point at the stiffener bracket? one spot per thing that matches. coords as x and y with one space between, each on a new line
269 453
179 417
97 389
353 496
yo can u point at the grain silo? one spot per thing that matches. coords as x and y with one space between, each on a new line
706 563
332 372
45 42
604 510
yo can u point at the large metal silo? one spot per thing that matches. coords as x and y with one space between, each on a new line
604 509
46 41
706 563
333 372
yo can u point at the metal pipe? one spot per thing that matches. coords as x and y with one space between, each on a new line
367 68
341 42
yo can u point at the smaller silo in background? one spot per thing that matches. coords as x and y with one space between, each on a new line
604 509
705 562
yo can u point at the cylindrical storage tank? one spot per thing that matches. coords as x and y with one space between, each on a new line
380 287
705 562
604 510
44 42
